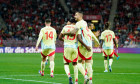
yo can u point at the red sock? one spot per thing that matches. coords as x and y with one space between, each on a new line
115 54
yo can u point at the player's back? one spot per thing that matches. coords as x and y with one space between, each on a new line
108 36
49 37
85 32
70 41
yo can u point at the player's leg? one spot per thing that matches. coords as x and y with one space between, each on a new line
105 64
43 56
80 67
105 60
75 72
51 56
67 54
111 52
88 60
110 63
52 65
74 57
82 53
67 70
116 55
89 70
47 59
92 64
79 64
83 64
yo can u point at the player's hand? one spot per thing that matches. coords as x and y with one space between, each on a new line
36 48
88 48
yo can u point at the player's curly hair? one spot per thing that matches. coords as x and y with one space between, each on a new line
107 25
72 20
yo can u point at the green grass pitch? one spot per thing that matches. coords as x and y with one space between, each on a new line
23 69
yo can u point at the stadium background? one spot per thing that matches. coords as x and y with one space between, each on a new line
21 21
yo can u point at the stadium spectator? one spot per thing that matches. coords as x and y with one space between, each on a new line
127 20
1 42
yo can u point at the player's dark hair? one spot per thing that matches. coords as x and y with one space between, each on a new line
48 20
89 24
107 25
72 20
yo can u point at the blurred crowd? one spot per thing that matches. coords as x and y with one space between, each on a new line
25 18
91 7
127 23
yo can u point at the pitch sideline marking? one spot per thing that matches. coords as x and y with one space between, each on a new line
30 80
2 77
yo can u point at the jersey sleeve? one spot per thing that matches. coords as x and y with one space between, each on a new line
79 31
113 35
102 36
77 25
63 30
55 35
94 37
39 38
41 33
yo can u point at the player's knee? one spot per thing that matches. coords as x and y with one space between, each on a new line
74 63
66 63
51 58
79 61
105 58
87 61
83 61
110 57
44 59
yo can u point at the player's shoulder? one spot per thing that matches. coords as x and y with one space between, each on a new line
52 28
66 26
43 28
103 32
111 31
69 26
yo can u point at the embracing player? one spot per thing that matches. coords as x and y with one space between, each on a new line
107 40
87 37
47 36
83 52
70 48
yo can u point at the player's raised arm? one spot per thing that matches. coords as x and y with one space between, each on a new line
94 37
61 37
39 39
101 41
73 32
115 41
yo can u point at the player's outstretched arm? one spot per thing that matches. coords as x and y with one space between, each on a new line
39 39
73 32
94 37
115 43
101 45
37 44
81 41
61 37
